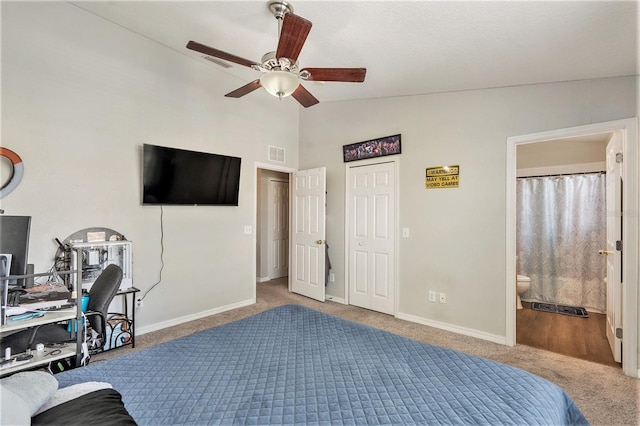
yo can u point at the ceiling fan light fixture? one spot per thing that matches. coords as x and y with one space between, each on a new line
280 83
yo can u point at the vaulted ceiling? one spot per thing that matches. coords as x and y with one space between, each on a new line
408 47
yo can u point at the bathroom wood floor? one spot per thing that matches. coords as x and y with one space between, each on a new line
583 338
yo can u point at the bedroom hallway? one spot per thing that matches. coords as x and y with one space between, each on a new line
604 395
584 338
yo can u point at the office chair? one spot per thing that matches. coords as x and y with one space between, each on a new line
101 295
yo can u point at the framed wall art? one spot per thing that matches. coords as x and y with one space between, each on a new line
388 145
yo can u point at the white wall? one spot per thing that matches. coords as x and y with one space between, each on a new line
637 95
561 152
575 155
457 242
79 98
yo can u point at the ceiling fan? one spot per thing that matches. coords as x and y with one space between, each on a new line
281 76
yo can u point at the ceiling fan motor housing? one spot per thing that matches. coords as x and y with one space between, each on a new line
279 8
270 63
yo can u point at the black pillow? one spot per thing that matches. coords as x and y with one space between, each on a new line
103 407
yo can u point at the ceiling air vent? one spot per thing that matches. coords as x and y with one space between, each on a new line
276 154
217 61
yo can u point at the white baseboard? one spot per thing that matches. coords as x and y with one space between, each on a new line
502 340
335 299
412 318
191 317
262 279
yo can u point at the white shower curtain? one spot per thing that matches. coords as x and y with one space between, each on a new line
561 225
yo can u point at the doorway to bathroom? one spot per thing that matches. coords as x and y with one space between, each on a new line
560 228
570 162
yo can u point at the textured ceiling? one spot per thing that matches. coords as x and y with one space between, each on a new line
408 48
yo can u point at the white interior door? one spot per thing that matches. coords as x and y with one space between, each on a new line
614 256
278 234
372 234
308 251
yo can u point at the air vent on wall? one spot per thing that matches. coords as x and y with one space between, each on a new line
276 154
216 61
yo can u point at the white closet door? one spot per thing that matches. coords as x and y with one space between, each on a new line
372 236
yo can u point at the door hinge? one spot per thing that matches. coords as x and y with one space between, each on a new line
618 157
619 245
619 333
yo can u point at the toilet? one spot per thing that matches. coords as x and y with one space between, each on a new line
522 285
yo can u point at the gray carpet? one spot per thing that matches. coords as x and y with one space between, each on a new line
604 394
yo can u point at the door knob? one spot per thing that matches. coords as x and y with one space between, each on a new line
320 242
605 252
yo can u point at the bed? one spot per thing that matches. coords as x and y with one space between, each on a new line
295 365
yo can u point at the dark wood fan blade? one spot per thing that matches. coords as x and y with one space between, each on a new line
303 96
351 75
292 36
219 54
244 90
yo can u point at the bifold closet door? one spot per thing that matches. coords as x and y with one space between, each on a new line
371 243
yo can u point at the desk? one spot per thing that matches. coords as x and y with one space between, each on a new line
9 328
124 292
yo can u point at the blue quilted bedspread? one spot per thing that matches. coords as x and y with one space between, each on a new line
294 365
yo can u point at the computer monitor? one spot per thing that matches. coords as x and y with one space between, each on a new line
14 240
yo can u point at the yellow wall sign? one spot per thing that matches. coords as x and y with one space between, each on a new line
443 177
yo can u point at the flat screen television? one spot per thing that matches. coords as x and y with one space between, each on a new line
14 246
180 177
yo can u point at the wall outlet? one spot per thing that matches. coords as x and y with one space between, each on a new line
432 296
139 303
332 278
248 229
443 297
